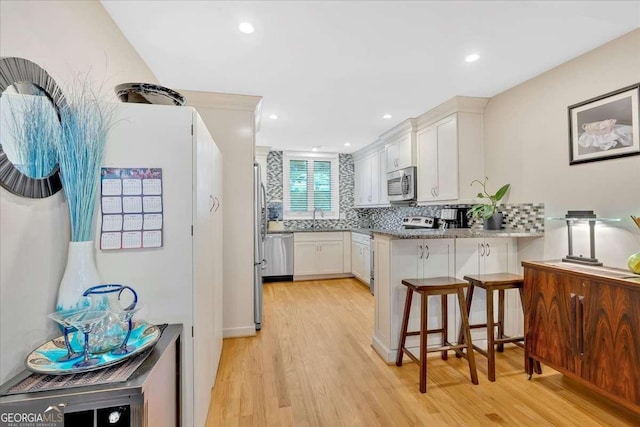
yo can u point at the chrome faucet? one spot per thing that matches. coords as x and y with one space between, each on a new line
314 216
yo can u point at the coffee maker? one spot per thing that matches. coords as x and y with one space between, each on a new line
454 218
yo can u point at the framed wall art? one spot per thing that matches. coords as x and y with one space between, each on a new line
605 127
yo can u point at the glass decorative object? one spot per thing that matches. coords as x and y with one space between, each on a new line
114 328
62 318
125 315
85 322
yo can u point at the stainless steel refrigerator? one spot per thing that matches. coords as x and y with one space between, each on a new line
259 233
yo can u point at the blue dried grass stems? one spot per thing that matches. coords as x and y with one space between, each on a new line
33 134
86 122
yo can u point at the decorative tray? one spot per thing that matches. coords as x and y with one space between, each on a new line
43 360
148 93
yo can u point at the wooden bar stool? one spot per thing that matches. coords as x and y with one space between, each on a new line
426 287
494 282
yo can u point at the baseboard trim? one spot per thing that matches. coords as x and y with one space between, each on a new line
244 331
387 354
322 276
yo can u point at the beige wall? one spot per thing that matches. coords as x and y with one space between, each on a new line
526 137
231 122
65 38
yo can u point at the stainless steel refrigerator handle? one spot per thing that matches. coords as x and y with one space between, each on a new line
266 219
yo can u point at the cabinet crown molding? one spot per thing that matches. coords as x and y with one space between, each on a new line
376 145
404 127
457 104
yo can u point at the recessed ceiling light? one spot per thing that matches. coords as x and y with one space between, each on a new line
347 144
273 116
246 27
314 149
386 116
472 58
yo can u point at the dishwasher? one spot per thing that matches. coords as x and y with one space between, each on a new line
278 252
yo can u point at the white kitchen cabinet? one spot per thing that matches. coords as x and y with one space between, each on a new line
367 180
360 172
400 153
180 282
486 256
398 259
360 257
357 262
400 146
319 253
383 197
450 150
330 258
366 254
304 258
438 161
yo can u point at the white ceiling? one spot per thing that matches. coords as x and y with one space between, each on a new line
330 69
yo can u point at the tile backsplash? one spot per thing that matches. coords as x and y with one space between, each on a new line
517 216
347 212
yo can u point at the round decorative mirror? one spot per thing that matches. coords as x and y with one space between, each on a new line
30 104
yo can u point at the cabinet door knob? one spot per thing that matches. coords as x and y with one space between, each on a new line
427 248
488 250
481 249
421 252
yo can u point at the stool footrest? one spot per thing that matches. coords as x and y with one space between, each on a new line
430 331
446 347
508 340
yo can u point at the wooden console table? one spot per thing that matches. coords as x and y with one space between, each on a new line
585 322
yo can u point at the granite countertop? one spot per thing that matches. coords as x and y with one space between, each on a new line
402 233
451 233
307 230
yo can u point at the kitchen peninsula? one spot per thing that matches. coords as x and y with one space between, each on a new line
406 253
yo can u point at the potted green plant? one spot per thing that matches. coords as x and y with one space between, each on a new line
488 211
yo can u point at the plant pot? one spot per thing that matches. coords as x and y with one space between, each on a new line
494 222
79 275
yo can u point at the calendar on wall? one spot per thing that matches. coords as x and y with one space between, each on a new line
131 205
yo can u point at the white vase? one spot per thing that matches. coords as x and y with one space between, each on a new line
79 275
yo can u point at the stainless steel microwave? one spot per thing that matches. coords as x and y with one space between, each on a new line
401 185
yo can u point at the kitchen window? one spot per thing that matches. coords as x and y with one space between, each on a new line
311 181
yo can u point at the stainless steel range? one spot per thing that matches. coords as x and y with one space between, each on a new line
419 222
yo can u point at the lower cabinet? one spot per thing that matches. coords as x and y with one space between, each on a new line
586 326
398 259
319 253
361 257
486 256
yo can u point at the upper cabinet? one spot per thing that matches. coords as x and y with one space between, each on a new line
400 146
438 161
366 180
446 145
370 179
450 151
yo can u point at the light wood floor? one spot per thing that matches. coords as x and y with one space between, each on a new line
312 365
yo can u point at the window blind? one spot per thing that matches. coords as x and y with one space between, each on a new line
311 182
